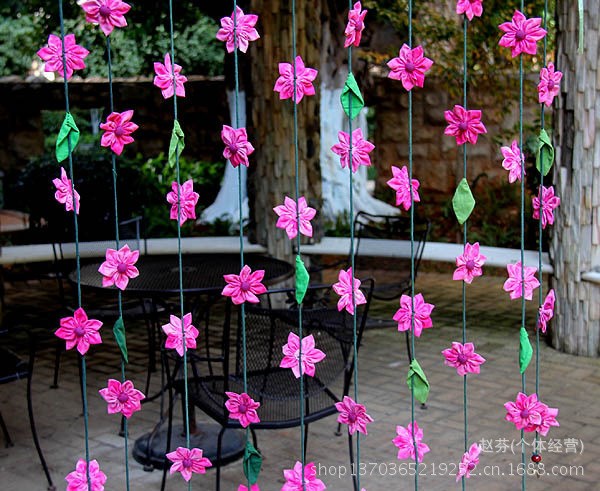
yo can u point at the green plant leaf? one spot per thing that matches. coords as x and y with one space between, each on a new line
119 333
463 202
525 350
302 278
252 463
351 98
177 143
416 378
545 153
68 131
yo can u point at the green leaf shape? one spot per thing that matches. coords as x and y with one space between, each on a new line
351 98
302 278
68 131
463 202
545 153
416 378
252 463
525 350
119 333
177 143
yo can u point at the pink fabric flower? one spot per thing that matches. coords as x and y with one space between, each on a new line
354 415
525 412
471 8
409 67
468 462
245 286
513 161
463 358
122 398
549 204
310 355
288 217
78 481
360 149
79 331
108 13
469 264
548 416
304 79
546 311
513 284
549 85
344 289
244 29
237 146
254 487
405 444
355 26
243 408
119 267
464 125
521 34
189 200
117 131
188 462
53 57
293 478
176 334
164 78
400 184
403 315
64 191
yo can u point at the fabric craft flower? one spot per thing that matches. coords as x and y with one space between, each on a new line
471 8
189 200
514 283
546 311
107 13
469 263
293 478
237 146
400 184
188 461
180 338
525 412
521 34
360 149
548 205
79 331
549 85
64 191
354 415
310 355
165 73
344 289
463 358
245 286
409 67
548 416
405 444
117 131
513 161
289 214
464 125
304 80
243 26
355 26
122 398
469 461
53 57
243 408
403 315
78 479
119 267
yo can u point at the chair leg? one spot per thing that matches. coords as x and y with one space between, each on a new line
57 354
353 469
219 448
7 440
169 435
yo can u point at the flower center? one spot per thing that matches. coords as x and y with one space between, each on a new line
525 413
550 84
122 268
409 67
122 398
245 286
242 408
520 35
470 265
463 126
79 331
471 466
104 11
461 358
352 417
119 131
187 463
233 147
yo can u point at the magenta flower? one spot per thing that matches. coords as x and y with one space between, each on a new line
293 478
525 412
469 264
119 267
53 57
546 311
344 289
521 34
189 200
242 487
354 415
400 184
549 85
514 283
78 481
289 214
188 462
243 26
355 26
549 203
122 398
405 444
471 8
304 79
237 146
468 462
164 78
117 131
310 355
64 191
180 338
548 415
409 67
513 161
464 125
79 331
463 358
243 408
245 286
403 315
360 149
108 13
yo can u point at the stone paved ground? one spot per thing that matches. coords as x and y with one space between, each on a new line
567 382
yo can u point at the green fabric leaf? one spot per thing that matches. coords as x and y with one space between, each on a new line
581 22
351 98
416 377
301 280
68 131
119 333
525 350
252 463
545 153
463 201
177 143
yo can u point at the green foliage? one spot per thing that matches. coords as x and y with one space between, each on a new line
341 227
19 41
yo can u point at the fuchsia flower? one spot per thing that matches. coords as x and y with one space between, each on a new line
310 355
355 26
164 78
546 311
463 358
548 415
464 125
404 442
529 414
53 57
119 267
79 331
243 408
189 200
245 286
78 481
289 214
549 203
122 398
400 184
188 461
549 85
403 315
64 191
243 26
254 487
514 283
521 34
468 462
180 338
471 8
513 161
304 79
360 149
344 289
293 478
354 415
117 131
237 146
409 67
108 13
469 264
